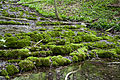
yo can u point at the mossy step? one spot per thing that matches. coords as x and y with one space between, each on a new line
16 53
108 53
12 23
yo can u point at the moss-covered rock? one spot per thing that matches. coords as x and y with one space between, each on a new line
7 35
110 53
68 33
88 37
81 53
39 62
33 59
54 63
14 60
46 47
45 53
36 48
76 46
3 72
118 50
41 53
26 65
16 53
17 42
12 69
75 58
60 42
2 53
77 39
35 36
46 62
62 50
61 61
101 44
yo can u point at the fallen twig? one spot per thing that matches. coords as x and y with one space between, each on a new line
66 77
37 43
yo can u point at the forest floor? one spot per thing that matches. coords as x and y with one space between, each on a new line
32 37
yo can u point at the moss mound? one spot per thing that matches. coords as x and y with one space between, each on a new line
26 65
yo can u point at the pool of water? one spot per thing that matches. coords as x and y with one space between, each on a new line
88 70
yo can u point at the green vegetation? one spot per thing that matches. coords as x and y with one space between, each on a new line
105 53
75 10
17 42
11 69
26 65
52 43
12 23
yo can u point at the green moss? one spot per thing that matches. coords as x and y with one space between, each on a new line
67 61
68 33
60 42
35 54
80 53
62 50
72 27
46 62
45 53
42 29
106 37
35 48
100 44
75 58
35 36
7 35
51 43
118 50
88 37
10 22
31 18
17 53
54 33
80 56
2 52
11 69
26 65
14 60
54 63
42 18
103 45
45 47
48 23
105 53
4 72
76 46
39 62
59 60
17 42
33 59
77 39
